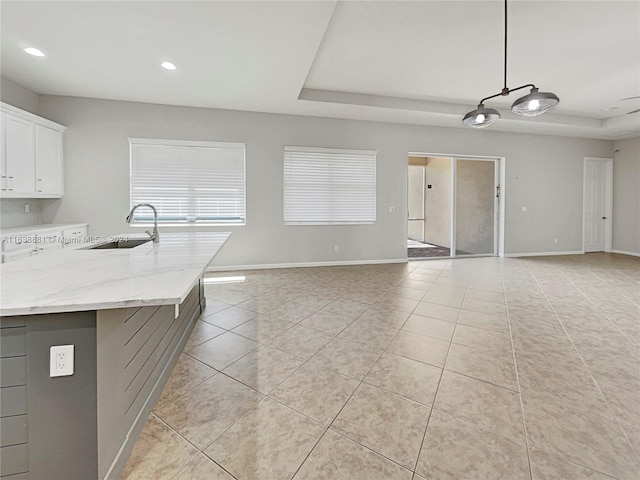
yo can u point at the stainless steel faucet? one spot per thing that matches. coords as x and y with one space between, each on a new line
154 236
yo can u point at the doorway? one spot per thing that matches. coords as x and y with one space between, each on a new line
453 206
597 205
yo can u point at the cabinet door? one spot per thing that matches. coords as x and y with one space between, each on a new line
73 236
19 156
3 153
44 248
48 161
17 255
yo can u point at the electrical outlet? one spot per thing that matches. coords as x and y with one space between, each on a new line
61 360
27 208
336 248
555 240
392 209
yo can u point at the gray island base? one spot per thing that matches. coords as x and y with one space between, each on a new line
84 426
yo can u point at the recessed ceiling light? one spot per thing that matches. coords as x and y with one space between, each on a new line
168 65
34 51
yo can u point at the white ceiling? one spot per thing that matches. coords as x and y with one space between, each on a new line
421 62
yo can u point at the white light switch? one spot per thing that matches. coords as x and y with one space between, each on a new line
524 209
392 209
61 360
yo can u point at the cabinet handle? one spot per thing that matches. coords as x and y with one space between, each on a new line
4 182
10 183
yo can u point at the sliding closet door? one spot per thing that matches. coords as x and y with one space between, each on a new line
475 207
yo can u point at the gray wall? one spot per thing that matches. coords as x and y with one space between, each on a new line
548 171
19 96
626 196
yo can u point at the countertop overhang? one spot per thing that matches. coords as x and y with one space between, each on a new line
73 280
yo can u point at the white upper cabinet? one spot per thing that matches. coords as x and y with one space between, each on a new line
48 161
31 150
18 163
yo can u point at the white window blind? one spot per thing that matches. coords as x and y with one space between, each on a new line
188 182
326 186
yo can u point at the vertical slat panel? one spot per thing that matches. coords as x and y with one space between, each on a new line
14 430
13 371
15 459
13 401
12 342
128 396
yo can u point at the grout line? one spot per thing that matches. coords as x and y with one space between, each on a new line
515 366
435 396
356 389
433 407
310 452
600 311
344 405
588 370
323 281
190 443
584 362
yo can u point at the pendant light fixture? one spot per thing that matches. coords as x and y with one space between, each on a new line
532 104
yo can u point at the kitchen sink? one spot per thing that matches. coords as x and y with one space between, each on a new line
129 243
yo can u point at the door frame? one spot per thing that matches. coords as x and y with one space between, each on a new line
497 213
608 229
499 205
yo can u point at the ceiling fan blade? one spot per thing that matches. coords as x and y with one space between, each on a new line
629 98
633 111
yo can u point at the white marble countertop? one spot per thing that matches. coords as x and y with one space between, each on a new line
79 280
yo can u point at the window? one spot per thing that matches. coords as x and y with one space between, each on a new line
327 186
188 182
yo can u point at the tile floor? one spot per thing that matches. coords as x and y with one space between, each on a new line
439 370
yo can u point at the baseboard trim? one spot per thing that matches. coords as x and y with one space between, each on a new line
624 252
544 254
265 266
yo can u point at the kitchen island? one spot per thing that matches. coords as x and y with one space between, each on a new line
128 314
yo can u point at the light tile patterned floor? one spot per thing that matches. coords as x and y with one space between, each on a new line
478 368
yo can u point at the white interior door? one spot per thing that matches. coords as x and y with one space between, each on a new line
596 208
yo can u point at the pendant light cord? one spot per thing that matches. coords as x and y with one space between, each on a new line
482 116
506 90
505 45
